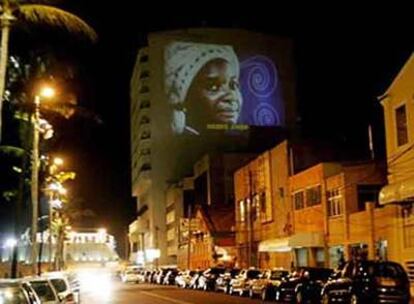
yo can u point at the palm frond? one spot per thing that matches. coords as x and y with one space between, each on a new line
64 176
10 195
20 2
12 151
49 15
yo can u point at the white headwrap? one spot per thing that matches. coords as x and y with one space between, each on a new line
183 61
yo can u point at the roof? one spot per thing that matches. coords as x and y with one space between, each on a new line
408 63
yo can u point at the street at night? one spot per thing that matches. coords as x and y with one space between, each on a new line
122 293
161 157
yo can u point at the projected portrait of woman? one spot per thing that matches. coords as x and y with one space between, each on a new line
202 86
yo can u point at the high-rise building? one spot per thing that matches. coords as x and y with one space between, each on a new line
198 91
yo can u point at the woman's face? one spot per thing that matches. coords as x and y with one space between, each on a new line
217 90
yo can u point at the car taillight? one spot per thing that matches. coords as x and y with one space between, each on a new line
70 298
386 282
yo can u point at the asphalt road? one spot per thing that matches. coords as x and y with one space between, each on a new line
102 288
121 293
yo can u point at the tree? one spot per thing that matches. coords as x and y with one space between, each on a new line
62 221
16 11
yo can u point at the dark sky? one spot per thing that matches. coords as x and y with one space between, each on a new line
344 60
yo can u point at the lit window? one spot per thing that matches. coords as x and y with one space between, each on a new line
334 202
242 211
401 125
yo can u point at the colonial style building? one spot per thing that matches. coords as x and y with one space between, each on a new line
398 105
313 217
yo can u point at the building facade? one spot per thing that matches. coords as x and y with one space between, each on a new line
168 136
398 106
81 246
263 212
314 217
336 213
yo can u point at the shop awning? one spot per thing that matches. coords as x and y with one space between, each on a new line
275 245
397 192
307 239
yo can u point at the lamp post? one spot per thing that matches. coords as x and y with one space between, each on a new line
46 92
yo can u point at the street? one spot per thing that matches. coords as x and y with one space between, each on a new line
121 293
100 288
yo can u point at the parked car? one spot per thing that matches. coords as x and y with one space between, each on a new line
161 275
368 282
223 281
303 285
195 278
170 277
17 292
184 279
45 291
155 276
241 283
66 285
207 280
130 275
147 276
265 286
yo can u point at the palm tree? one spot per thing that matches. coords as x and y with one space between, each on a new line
15 11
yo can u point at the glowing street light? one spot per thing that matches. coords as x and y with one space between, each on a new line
58 161
45 92
10 243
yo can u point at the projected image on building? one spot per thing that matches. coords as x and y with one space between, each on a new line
211 87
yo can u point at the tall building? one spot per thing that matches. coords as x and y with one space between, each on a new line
181 110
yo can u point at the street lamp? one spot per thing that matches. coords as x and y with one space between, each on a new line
58 161
10 243
47 93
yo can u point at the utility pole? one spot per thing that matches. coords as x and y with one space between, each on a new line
157 229
189 238
39 262
249 220
35 181
371 143
50 230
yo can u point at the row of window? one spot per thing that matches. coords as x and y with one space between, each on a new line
259 207
307 198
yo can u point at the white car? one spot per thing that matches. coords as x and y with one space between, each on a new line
65 285
17 291
44 290
130 275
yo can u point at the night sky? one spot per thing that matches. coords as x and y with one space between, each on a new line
344 60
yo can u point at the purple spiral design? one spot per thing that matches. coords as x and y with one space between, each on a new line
261 76
266 115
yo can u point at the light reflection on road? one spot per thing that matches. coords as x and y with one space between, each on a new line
96 284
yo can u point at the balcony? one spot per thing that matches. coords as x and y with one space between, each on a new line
143 180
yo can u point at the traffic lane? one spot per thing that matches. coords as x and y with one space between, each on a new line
188 296
126 293
122 293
